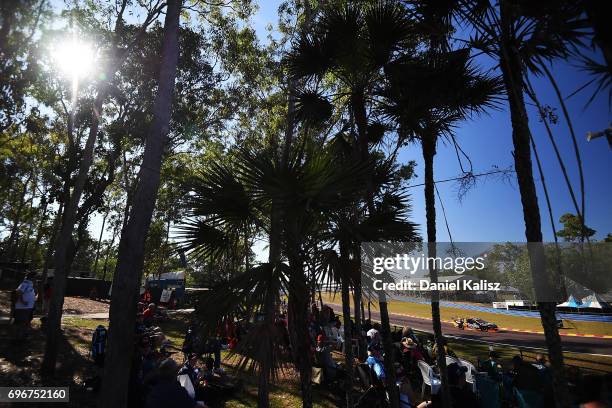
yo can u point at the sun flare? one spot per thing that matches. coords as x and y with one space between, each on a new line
74 58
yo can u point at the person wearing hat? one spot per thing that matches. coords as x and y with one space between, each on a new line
461 396
168 392
24 305
373 336
410 353
375 362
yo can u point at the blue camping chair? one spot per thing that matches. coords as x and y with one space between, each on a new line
528 398
488 391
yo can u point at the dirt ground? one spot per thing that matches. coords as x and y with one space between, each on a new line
80 305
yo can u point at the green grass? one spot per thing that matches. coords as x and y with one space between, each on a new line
284 394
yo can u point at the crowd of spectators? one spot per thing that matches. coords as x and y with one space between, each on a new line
483 383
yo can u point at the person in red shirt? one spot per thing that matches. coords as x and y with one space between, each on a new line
146 296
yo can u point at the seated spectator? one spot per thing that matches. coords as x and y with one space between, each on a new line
491 366
461 395
526 376
146 296
375 362
338 334
150 359
324 359
168 392
373 336
407 395
149 314
407 332
410 347
213 346
540 362
593 393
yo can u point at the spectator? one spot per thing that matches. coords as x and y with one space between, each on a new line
491 366
149 314
149 359
410 354
526 376
338 334
375 362
407 395
407 332
461 396
190 370
146 296
168 392
24 305
592 393
324 359
373 336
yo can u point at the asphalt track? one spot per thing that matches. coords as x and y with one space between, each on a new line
587 345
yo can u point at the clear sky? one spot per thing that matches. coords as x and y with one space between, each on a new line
492 210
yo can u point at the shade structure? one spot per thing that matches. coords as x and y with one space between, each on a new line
570 302
594 301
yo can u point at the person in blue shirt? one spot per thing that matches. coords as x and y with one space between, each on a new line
375 361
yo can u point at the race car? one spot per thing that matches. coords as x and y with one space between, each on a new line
474 324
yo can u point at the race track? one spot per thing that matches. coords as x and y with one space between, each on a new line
526 340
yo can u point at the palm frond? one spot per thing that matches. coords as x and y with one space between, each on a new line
312 108
201 240
388 27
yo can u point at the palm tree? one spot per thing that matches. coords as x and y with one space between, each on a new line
311 185
131 246
427 97
351 225
352 43
522 37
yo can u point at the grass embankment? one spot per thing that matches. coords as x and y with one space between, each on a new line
514 322
285 393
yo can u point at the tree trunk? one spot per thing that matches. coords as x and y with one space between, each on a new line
41 224
108 249
428 144
131 246
512 72
50 244
359 111
62 245
95 268
348 327
298 330
274 258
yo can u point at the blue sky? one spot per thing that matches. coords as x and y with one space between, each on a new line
492 210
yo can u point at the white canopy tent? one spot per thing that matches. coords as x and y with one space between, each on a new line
595 301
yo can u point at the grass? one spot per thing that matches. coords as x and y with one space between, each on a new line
514 322
284 394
